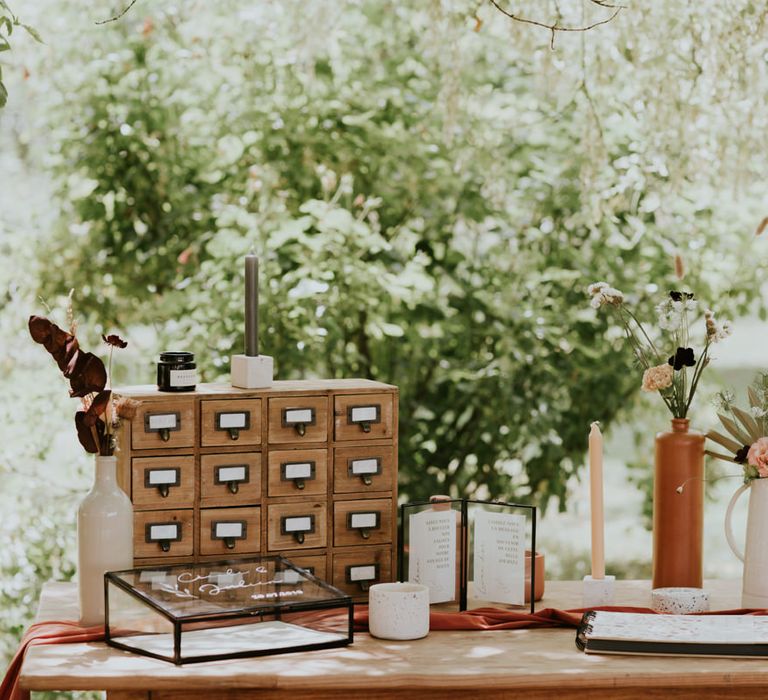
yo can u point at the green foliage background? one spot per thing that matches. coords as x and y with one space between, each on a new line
430 189
429 205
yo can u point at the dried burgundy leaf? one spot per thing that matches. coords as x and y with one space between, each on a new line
61 345
87 376
115 341
86 435
97 408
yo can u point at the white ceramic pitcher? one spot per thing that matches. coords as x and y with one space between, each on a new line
754 591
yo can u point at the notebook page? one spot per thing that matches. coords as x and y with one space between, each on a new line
696 629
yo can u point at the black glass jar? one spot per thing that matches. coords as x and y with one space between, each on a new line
176 371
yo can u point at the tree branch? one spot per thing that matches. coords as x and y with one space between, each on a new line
125 10
553 28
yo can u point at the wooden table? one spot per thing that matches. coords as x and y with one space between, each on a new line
445 665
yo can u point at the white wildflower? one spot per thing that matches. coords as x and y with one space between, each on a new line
670 315
602 294
758 412
716 331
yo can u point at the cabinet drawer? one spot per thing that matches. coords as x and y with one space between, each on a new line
298 472
231 422
360 469
163 482
230 479
298 419
363 416
355 573
160 424
227 531
362 522
158 533
315 565
297 526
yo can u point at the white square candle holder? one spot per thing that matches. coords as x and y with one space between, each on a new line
252 372
598 592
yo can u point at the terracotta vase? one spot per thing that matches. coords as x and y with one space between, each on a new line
678 518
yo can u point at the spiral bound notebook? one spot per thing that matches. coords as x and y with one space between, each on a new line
604 632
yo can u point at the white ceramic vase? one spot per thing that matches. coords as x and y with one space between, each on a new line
104 538
754 592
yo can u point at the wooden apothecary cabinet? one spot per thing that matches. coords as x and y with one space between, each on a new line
306 469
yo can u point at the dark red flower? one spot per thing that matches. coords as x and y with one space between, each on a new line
115 340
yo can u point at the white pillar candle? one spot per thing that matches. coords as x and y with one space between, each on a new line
596 501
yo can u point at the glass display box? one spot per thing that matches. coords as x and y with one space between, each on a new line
471 554
188 613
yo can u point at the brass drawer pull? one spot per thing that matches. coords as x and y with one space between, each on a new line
364 416
163 534
364 468
298 419
364 522
233 422
298 526
364 575
162 423
232 475
162 479
297 472
229 531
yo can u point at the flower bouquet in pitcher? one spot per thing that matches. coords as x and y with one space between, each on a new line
744 441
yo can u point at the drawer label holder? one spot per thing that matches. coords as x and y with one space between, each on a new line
163 534
162 423
229 531
298 419
365 468
162 479
297 472
364 522
364 416
233 422
363 575
297 525
232 475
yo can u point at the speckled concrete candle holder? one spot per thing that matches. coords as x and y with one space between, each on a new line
679 601
398 611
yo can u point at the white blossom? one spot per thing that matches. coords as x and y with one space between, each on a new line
602 293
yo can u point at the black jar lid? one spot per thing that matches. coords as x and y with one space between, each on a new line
177 356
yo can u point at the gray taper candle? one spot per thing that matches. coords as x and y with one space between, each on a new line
251 305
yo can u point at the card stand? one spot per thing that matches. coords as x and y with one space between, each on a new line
471 554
